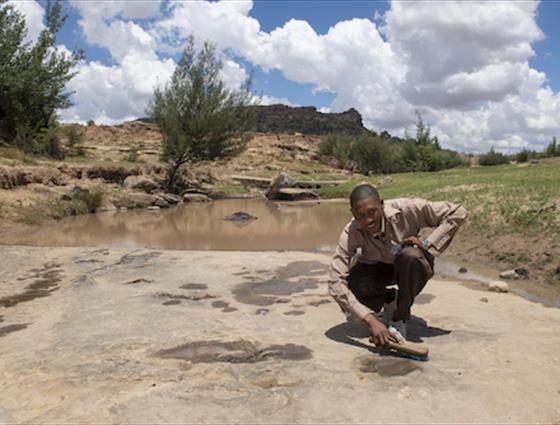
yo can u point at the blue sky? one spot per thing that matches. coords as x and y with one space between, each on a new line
481 73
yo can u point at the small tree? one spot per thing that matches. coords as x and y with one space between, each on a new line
200 118
552 149
493 158
32 77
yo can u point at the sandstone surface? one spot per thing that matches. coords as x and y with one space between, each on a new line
96 335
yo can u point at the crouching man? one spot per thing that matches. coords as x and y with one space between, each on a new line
379 248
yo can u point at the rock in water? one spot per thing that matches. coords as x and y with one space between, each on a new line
240 216
105 206
295 194
195 197
463 270
498 286
281 181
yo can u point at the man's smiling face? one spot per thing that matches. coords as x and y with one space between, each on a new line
368 212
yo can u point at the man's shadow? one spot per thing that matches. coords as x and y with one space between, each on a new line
347 332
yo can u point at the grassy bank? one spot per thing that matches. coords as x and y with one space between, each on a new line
521 199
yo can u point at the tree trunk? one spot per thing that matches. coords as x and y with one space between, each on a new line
170 185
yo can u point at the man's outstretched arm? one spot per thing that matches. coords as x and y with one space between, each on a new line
338 289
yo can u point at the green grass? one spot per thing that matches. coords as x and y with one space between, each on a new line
229 189
500 199
82 203
106 162
15 156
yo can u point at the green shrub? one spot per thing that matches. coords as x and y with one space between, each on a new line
337 146
90 199
493 158
522 156
75 140
132 155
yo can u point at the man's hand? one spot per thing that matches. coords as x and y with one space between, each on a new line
411 241
379 332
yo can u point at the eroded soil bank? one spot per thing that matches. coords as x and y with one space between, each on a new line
122 335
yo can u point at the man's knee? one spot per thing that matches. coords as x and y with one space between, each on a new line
410 255
413 258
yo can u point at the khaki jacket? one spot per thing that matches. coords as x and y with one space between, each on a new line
404 217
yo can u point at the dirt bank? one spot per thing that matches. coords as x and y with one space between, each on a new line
97 335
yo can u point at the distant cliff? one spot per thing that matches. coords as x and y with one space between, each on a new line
307 120
304 120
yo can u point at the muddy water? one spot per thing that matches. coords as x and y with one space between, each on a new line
202 226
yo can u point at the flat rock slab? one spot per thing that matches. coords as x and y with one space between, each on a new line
148 336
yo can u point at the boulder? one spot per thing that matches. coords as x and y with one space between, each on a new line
143 183
170 198
136 200
195 197
295 194
518 273
522 272
161 203
105 206
283 180
498 286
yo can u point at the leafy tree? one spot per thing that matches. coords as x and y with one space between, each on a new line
199 117
32 79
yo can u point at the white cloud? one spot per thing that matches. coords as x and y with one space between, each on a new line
34 15
461 53
351 60
273 100
464 65
112 94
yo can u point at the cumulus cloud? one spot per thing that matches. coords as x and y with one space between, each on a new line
461 53
464 65
34 14
112 94
467 66
351 60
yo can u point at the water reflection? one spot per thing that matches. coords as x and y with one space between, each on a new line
202 226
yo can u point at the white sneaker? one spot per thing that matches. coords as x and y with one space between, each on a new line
398 330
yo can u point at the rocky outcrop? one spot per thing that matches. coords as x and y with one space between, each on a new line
142 183
111 174
11 177
307 120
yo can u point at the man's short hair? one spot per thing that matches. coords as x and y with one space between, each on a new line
362 191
